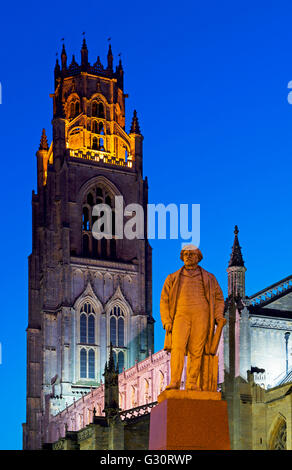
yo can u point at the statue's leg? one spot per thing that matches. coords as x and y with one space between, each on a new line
180 335
197 341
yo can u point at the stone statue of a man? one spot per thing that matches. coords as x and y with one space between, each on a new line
191 304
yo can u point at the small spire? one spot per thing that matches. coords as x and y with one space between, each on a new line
120 67
73 61
84 53
64 57
135 128
44 142
57 70
110 58
98 64
111 362
236 255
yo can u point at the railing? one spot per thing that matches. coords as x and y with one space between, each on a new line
101 157
271 292
138 411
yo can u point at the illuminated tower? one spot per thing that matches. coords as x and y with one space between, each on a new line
84 293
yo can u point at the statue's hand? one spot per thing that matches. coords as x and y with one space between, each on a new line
168 327
222 321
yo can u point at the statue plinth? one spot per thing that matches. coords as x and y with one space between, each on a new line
188 394
189 420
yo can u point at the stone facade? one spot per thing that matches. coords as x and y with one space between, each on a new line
257 357
84 293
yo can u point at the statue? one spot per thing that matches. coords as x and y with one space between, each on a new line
191 304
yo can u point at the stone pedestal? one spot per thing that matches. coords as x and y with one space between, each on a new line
189 420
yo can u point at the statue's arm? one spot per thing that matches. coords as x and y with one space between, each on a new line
164 303
219 302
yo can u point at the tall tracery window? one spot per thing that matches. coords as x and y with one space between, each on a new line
85 219
94 127
91 247
117 327
87 341
94 109
74 109
87 324
83 363
87 363
280 438
97 110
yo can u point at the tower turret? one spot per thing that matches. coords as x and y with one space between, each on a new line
110 59
136 142
57 71
42 159
236 270
64 58
84 56
91 160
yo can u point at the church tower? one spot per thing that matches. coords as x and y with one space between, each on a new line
85 293
236 270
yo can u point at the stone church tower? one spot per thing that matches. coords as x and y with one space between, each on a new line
84 293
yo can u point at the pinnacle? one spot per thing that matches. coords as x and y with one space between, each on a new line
236 258
44 141
111 362
135 128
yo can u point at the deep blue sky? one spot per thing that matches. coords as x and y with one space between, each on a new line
209 82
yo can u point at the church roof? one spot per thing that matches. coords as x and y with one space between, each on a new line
276 297
270 312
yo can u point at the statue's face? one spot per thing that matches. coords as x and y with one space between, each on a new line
191 258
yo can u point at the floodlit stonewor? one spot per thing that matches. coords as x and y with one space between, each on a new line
92 374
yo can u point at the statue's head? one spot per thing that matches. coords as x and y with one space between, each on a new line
191 255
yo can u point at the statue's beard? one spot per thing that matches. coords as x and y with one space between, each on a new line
191 265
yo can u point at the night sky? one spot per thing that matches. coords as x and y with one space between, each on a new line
209 81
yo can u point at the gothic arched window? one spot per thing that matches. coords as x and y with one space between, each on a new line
89 199
121 335
72 110
91 328
279 440
117 327
94 109
83 328
101 144
83 363
113 331
77 108
91 364
101 128
87 364
94 127
94 143
85 219
87 347
101 111
87 324
91 247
